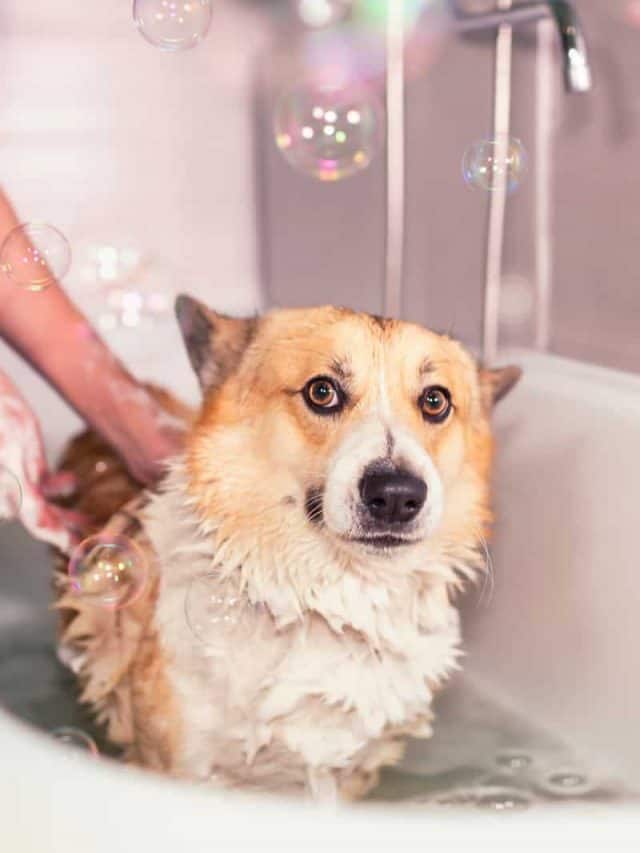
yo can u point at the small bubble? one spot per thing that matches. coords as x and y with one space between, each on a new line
328 133
513 760
213 609
10 494
568 781
172 26
75 738
489 162
34 255
108 571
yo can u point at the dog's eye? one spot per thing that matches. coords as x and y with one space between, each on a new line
323 395
435 403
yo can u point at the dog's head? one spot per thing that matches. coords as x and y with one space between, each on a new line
331 429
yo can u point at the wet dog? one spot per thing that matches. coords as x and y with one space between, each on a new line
303 553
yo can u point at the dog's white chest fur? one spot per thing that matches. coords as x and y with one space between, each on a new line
292 687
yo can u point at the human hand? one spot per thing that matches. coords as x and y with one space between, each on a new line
142 424
26 485
145 424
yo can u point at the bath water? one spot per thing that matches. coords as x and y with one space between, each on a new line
482 755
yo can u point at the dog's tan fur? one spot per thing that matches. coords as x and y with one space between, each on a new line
332 652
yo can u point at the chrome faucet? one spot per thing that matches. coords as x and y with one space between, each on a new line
577 72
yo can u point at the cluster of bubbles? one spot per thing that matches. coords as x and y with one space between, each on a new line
518 780
131 307
34 255
328 133
10 494
128 288
76 739
108 571
491 163
172 25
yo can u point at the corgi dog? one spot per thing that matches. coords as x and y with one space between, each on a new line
303 553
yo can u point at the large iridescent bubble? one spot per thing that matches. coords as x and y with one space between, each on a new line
328 133
108 571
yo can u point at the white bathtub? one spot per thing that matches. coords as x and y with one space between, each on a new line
557 641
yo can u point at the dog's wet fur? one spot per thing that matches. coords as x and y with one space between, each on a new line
333 493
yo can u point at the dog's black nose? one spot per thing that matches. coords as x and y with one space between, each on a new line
393 496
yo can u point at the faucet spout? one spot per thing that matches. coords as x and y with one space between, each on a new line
577 73
575 60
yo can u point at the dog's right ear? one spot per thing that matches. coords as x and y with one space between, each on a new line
215 342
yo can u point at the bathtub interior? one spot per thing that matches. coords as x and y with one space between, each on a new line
543 710
549 686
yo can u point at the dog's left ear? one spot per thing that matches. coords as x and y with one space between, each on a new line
215 342
496 384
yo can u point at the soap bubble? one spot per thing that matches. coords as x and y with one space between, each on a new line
10 494
34 255
513 760
566 781
328 133
108 571
490 161
322 13
214 609
172 25
68 736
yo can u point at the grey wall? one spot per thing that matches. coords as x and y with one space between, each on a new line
325 243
